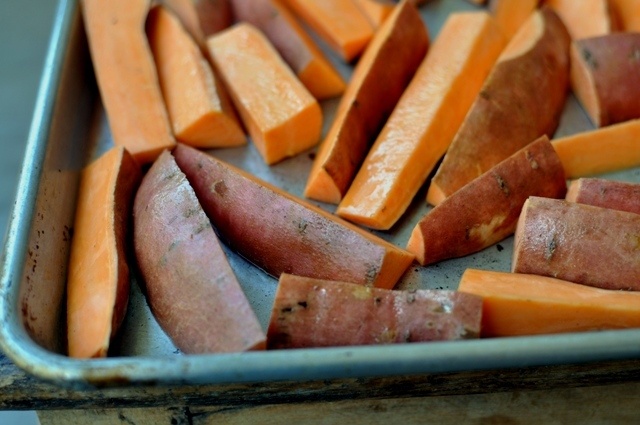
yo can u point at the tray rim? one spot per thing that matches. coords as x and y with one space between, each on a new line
269 366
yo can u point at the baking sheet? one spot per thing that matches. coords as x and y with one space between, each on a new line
70 128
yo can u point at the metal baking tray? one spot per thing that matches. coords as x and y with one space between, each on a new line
69 128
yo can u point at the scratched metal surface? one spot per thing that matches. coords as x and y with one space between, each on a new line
70 128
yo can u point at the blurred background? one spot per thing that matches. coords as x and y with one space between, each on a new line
25 26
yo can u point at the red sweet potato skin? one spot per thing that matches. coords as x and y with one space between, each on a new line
617 195
580 243
314 313
521 100
281 234
189 284
486 210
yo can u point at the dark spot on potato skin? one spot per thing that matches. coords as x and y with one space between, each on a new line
302 304
219 188
587 56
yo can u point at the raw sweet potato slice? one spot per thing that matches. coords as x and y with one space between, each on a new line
340 23
580 243
280 114
393 55
605 77
424 121
190 286
321 313
199 115
282 234
607 149
376 11
584 18
187 14
486 210
98 275
294 44
127 77
617 195
517 304
626 14
511 15
502 119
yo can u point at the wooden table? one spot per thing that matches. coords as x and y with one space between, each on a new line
593 393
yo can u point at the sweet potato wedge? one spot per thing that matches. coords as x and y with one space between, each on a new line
340 23
127 77
617 195
584 18
200 114
376 11
511 15
605 77
418 132
189 284
393 55
486 210
282 234
321 313
98 275
280 114
603 150
626 14
502 120
517 304
297 48
185 11
580 243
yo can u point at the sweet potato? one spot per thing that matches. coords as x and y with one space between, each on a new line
187 14
189 284
580 243
486 210
422 125
517 304
294 44
626 14
282 234
511 15
340 23
584 18
599 151
214 15
605 77
393 55
200 115
503 119
280 114
320 313
98 274
127 76
376 11
617 195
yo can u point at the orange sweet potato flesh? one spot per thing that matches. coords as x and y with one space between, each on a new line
187 14
486 210
393 55
127 77
517 304
322 313
502 120
189 284
626 14
580 243
199 114
98 275
606 149
605 77
282 234
340 23
511 15
280 114
424 121
584 18
617 195
297 48
376 11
